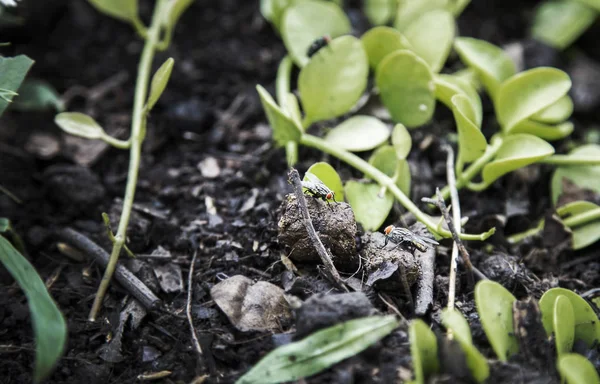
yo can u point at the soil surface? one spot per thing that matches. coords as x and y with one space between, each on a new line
212 183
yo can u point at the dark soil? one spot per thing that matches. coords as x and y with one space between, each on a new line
212 182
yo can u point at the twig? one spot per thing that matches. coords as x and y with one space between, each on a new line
325 258
124 276
188 308
425 283
451 179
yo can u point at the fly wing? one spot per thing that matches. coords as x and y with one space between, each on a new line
313 178
428 240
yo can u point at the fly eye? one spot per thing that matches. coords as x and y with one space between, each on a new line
388 229
329 195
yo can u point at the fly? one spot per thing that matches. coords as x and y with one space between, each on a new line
402 236
317 45
317 188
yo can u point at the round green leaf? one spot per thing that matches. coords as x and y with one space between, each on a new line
380 42
455 321
369 209
471 142
560 23
555 113
358 133
587 326
401 141
591 3
529 92
517 151
379 11
284 129
126 10
431 37
410 10
385 159
423 349
331 84
406 87
576 369
585 234
79 124
306 21
446 86
329 177
495 307
544 131
490 62
584 176
159 82
563 325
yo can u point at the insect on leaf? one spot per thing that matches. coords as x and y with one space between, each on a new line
284 129
320 350
584 176
126 10
359 133
13 70
423 349
585 234
79 124
369 209
560 23
381 41
576 369
563 325
329 177
159 83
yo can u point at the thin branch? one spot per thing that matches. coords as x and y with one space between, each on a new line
424 295
451 179
323 254
188 308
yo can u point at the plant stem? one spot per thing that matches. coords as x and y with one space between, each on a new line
282 88
451 179
385 181
136 139
582 218
571 160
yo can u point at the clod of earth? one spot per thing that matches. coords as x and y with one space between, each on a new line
335 225
252 306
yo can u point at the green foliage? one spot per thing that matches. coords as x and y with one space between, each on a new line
125 10
410 10
447 86
386 160
495 307
560 23
406 87
49 326
334 79
36 95
583 219
576 369
329 177
284 129
359 133
555 113
13 71
423 350
82 125
370 209
381 41
471 142
159 83
401 141
320 350
563 324
584 176
174 11
379 11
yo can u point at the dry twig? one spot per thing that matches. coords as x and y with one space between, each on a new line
188 308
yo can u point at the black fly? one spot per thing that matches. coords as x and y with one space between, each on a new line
402 236
318 44
317 188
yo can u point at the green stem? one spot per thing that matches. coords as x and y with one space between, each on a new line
518 237
582 218
121 144
571 160
385 181
137 137
282 88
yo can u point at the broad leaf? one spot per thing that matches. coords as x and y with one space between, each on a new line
48 323
446 86
381 41
431 37
320 350
379 11
369 209
584 234
126 10
529 92
175 10
385 159
587 326
359 133
401 141
330 177
584 176
333 81
306 21
591 3
13 70
284 129
490 62
471 142
517 151
555 113
37 95
560 23
79 124
423 350
563 325
410 10
159 83
495 307
544 131
576 369
406 87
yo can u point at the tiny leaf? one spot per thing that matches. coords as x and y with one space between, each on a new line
380 42
379 11
320 350
471 142
369 209
585 234
401 141
584 176
330 177
544 131
126 10
359 133
385 159
159 83
13 70
560 23
563 325
576 369
306 21
175 10
423 349
446 86
494 305
517 151
333 81
284 129
410 10
37 95
431 37
555 113
406 86
79 124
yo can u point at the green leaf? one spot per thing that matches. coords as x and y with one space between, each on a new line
385 159
584 176
555 113
320 350
495 307
491 63
563 325
379 11
49 325
560 23
401 141
431 37
587 326
406 87
457 6
284 129
37 95
333 81
517 151
13 70
175 10
529 92
576 369
330 177
446 86
159 83
591 3
306 21
410 10
126 10
477 363
585 234
381 41
369 209
358 133
79 124
544 131
471 142
423 350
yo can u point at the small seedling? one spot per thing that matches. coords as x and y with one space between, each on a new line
402 236
317 45
316 188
